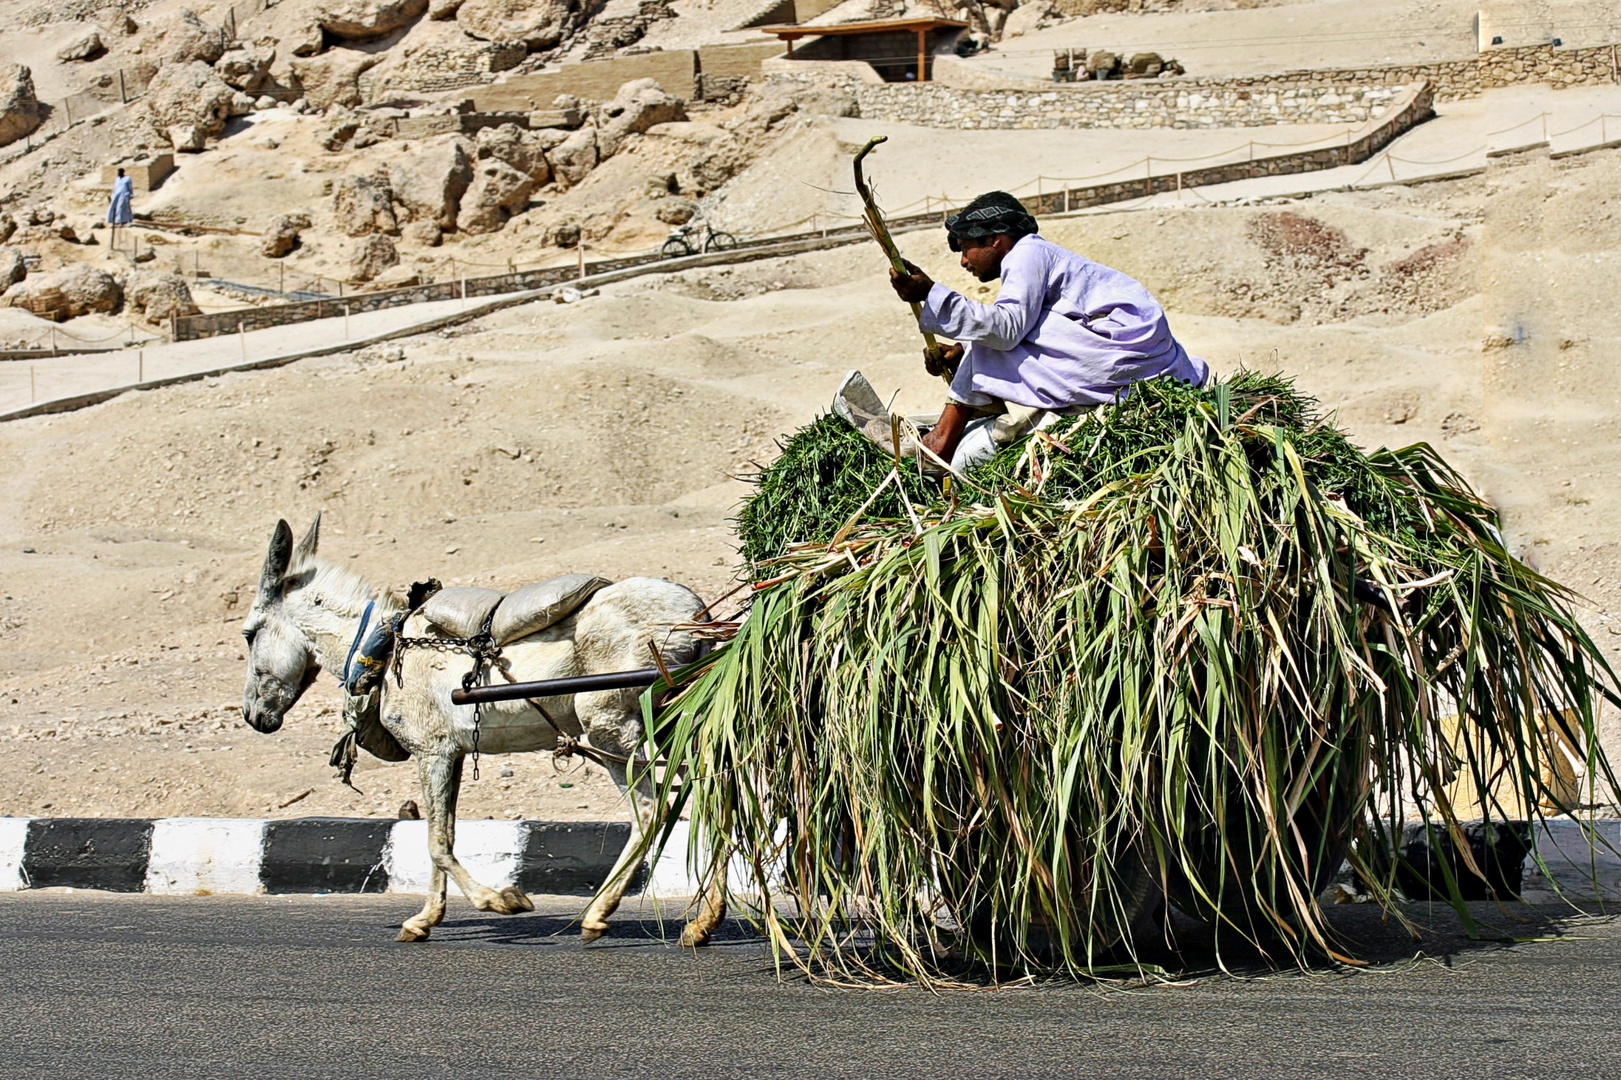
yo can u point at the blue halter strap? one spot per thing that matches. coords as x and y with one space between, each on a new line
354 646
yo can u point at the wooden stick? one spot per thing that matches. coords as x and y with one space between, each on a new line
880 232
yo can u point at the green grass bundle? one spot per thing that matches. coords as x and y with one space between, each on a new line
1194 648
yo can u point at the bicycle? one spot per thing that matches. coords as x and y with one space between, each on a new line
679 243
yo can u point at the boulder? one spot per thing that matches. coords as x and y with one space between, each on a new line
189 95
676 211
375 254
19 108
426 233
574 158
523 150
307 40
12 267
496 193
189 38
75 290
188 138
637 106
333 78
8 225
539 24
280 238
119 22
158 295
429 183
1029 17
362 19
364 205
246 69
564 234
85 47
443 9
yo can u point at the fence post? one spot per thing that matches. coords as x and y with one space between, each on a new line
123 95
580 248
242 336
346 322
33 387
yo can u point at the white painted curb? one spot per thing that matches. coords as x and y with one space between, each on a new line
490 850
13 839
196 856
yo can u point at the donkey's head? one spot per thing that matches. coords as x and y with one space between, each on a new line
281 655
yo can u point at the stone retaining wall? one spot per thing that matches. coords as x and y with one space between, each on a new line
1172 103
1596 66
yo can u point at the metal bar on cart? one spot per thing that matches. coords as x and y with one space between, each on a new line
577 684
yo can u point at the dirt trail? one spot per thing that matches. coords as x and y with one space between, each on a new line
604 436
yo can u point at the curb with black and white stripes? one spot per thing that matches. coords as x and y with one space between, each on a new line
190 856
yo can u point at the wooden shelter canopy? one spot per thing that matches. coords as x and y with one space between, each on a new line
922 27
877 26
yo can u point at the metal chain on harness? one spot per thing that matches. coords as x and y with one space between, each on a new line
481 647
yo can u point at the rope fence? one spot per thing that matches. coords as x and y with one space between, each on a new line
1338 150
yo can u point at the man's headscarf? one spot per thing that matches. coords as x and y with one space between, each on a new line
992 213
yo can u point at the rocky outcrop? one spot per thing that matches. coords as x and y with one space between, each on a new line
74 290
189 38
12 267
19 108
637 106
443 9
364 205
523 150
333 78
375 254
539 24
428 184
189 95
86 47
497 192
574 158
158 295
676 211
362 19
8 225
280 238
247 69
1029 17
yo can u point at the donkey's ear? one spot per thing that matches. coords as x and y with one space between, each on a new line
312 539
277 560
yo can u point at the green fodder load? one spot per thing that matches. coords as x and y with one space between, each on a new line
1195 647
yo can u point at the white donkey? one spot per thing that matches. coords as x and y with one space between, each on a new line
307 616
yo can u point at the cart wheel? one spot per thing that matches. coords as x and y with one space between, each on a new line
675 248
720 242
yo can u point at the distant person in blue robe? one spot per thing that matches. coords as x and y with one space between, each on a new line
119 211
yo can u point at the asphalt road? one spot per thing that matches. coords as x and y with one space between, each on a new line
139 988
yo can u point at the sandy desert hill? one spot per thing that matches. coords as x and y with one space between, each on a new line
609 435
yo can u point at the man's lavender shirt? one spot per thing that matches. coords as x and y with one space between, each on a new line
1064 331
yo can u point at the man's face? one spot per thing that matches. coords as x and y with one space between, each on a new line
983 257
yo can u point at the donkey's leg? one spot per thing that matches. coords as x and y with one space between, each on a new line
594 923
433 911
710 907
442 786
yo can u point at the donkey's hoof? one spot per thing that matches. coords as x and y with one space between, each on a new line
412 933
516 900
693 935
589 934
